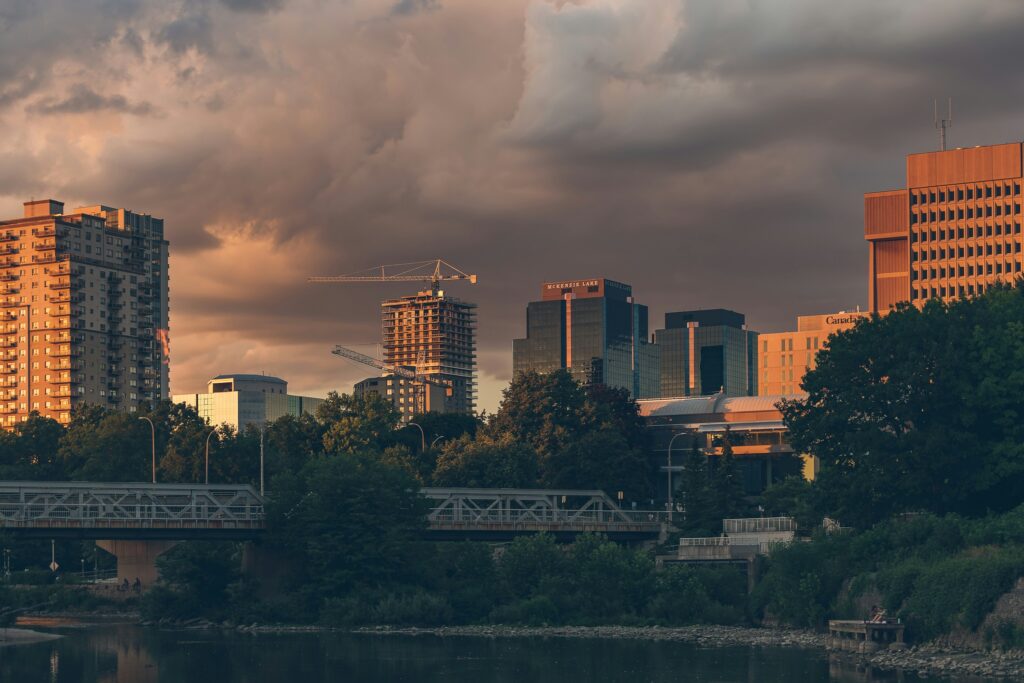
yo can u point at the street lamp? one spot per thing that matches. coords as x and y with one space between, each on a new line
263 428
436 439
423 436
152 432
212 432
668 472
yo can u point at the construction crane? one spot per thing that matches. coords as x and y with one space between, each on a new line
435 272
399 370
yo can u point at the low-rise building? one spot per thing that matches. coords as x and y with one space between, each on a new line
784 357
410 397
241 400
752 424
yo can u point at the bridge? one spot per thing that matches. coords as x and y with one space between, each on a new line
500 514
88 510
138 522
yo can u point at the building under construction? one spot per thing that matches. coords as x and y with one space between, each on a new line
436 335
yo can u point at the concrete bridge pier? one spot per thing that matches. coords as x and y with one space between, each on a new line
137 559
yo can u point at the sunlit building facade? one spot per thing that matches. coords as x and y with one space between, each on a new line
241 400
435 335
83 310
953 231
785 357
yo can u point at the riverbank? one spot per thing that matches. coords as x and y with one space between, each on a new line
23 636
701 635
927 659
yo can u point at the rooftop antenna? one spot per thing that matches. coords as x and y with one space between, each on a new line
942 125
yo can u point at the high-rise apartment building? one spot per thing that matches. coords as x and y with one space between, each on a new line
954 231
83 310
593 329
705 352
785 357
435 335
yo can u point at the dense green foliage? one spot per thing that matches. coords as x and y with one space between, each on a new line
937 573
919 409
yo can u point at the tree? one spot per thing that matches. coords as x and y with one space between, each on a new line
346 521
354 424
600 459
695 491
919 410
486 462
727 494
32 452
545 411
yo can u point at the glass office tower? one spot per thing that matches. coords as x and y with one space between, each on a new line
593 329
707 351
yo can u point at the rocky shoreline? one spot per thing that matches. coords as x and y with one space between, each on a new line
927 659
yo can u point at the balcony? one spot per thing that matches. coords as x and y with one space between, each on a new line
45 258
8 343
59 284
7 277
114 398
10 303
47 245
8 369
62 324
7 249
44 232
64 352
10 289
7 237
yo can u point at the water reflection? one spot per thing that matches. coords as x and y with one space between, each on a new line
124 653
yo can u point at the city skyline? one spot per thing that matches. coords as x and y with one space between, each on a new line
502 138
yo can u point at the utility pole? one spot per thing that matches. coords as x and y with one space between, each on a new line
152 432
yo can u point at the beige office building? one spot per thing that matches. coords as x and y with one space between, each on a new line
241 400
410 397
784 357
83 310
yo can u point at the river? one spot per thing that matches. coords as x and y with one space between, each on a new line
127 653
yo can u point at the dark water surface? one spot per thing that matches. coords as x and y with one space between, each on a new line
123 653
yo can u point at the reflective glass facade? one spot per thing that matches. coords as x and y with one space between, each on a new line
704 352
593 329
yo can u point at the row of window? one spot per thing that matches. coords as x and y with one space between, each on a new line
965 232
969 251
968 271
960 214
960 194
960 291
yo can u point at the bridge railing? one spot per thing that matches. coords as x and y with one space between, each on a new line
93 505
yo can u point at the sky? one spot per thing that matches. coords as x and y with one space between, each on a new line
711 153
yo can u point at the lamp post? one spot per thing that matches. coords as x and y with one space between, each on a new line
423 436
212 432
263 428
436 439
152 433
668 472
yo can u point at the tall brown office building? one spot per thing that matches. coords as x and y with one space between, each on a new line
83 310
435 335
954 231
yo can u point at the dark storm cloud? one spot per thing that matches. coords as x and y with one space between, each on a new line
413 6
711 153
83 99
